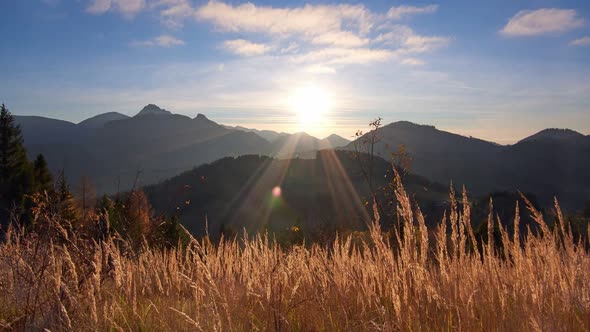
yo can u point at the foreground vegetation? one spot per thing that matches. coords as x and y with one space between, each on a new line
58 278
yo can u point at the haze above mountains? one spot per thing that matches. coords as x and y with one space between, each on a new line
111 148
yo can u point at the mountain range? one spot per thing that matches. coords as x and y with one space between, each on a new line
553 162
116 151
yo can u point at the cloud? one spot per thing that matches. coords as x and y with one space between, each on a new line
173 12
410 41
542 21
320 35
397 13
412 62
127 8
345 56
316 35
246 48
309 20
160 41
584 41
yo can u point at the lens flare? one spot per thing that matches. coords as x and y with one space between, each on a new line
276 192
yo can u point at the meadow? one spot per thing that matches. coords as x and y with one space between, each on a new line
412 278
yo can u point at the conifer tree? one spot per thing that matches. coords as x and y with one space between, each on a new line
43 178
16 173
66 203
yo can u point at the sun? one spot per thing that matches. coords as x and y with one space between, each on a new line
310 103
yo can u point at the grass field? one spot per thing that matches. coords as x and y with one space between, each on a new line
420 280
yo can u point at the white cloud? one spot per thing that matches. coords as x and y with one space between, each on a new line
398 12
340 38
584 41
542 21
320 35
309 19
245 48
345 56
412 62
128 8
410 41
160 41
173 12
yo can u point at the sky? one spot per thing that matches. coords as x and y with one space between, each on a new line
497 70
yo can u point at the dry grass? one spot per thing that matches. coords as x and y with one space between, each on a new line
60 281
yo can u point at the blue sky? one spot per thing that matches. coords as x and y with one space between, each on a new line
499 70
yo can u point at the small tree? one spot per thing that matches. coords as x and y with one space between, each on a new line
86 197
402 161
364 148
138 215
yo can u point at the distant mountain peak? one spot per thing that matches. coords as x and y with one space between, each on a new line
408 124
201 116
334 141
554 134
152 109
335 136
100 120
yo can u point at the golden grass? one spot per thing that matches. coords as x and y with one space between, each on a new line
60 281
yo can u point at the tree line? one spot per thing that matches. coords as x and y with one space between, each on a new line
30 195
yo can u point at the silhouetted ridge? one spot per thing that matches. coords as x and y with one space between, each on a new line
553 133
100 120
152 109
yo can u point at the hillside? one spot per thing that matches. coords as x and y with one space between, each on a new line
322 194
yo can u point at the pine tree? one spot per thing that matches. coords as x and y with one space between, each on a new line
43 178
65 200
16 173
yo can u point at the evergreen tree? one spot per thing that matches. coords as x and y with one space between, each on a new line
65 200
16 173
43 178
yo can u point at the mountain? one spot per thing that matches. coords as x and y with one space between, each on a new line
157 144
554 134
333 141
439 155
100 120
303 145
150 146
268 135
152 109
553 162
41 130
548 167
308 144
